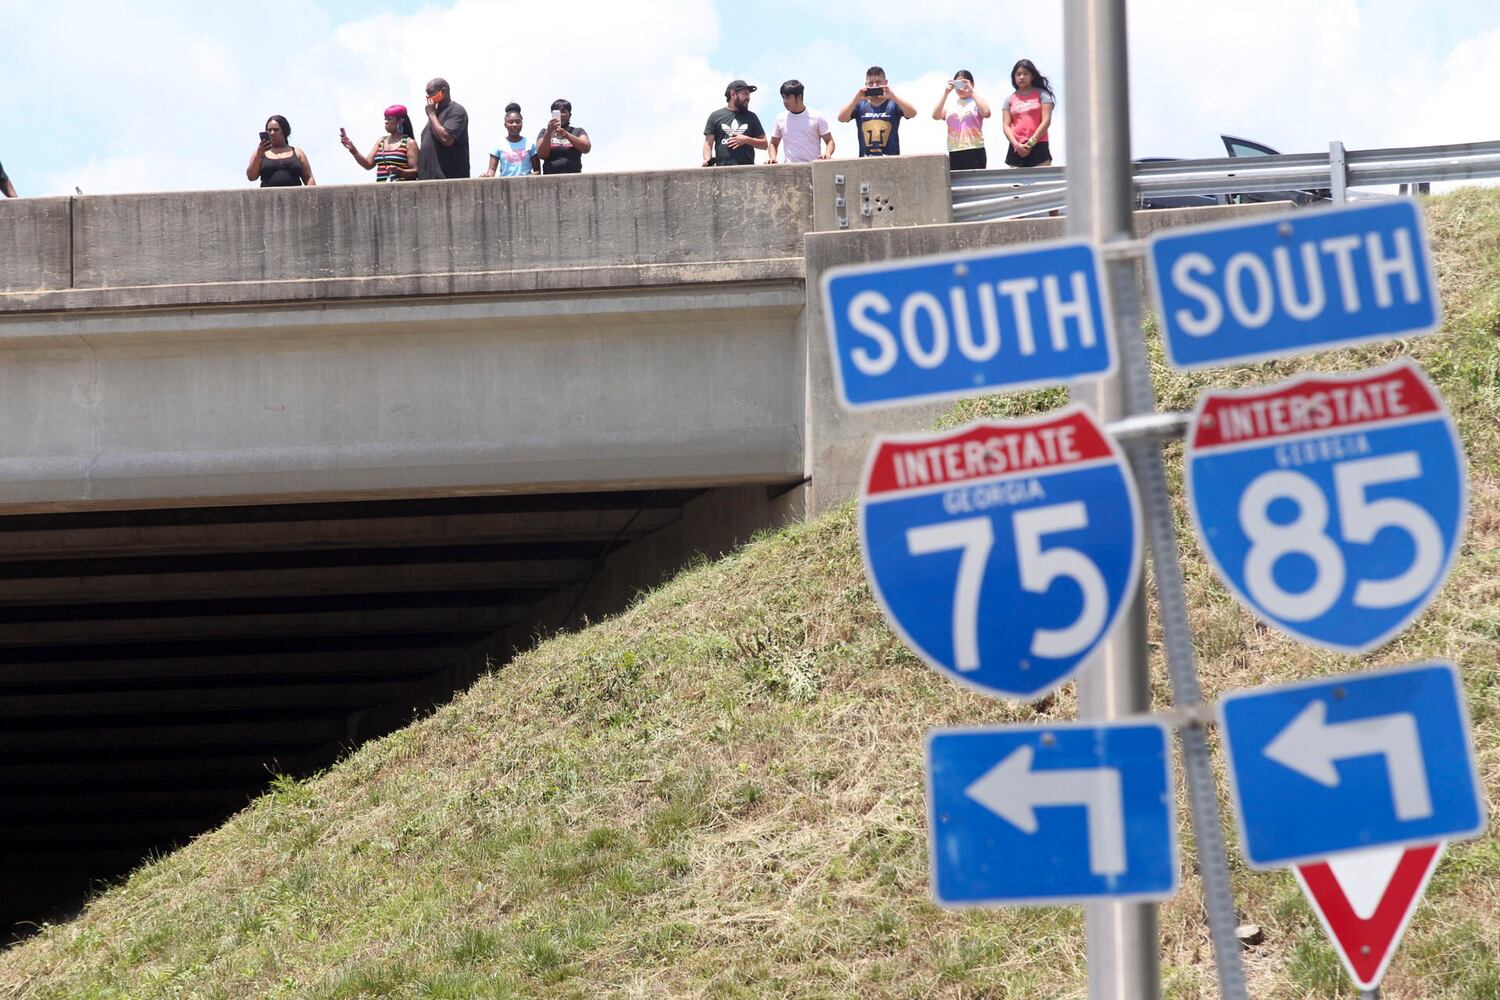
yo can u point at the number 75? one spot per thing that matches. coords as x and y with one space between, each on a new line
975 537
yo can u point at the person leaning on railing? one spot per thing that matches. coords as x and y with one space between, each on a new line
733 133
515 156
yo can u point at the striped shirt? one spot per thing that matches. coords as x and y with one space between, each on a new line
390 160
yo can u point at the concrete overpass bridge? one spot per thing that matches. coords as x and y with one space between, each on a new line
279 468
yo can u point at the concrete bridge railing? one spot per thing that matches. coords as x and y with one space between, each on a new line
598 331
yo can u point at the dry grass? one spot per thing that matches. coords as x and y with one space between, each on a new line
719 794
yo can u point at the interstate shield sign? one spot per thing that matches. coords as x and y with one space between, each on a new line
1002 552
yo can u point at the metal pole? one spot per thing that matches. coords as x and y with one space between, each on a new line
1122 938
1338 173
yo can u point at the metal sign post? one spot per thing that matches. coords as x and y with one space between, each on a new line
1122 938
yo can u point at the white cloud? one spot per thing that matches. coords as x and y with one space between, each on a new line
1458 101
1293 74
172 94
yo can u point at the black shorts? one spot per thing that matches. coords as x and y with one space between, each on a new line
967 159
1037 155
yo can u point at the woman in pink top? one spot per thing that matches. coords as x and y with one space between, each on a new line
1026 115
965 112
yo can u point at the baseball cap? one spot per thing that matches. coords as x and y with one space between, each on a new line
738 85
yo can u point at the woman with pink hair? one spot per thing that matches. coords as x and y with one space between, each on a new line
394 157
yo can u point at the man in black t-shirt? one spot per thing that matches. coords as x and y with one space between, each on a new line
6 187
561 145
445 140
733 132
877 113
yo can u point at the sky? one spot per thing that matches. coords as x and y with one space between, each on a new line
148 95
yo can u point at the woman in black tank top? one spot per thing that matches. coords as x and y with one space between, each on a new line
274 163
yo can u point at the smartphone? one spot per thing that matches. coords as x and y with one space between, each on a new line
265 137
343 134
437 97
874 91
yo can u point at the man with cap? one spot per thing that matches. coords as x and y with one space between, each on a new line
733 132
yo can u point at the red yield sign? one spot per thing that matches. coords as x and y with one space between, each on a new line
1365 899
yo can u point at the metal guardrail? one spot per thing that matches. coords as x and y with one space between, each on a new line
981 195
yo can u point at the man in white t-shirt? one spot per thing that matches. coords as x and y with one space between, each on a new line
802 129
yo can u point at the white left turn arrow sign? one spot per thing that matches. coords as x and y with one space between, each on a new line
1012 791
1377 759
1310 745
1004 808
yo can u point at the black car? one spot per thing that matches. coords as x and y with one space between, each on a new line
1236 147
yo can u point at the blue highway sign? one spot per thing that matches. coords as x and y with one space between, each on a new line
1301 282
1050 814
959 324
1004 551
1347 763
1332 505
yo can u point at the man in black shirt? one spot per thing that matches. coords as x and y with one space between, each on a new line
445 140
561 145
733 132
6 187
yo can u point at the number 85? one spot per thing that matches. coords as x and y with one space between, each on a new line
1360 520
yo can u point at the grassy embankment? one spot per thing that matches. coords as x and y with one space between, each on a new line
719 793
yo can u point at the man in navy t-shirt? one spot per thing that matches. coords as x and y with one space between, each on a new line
877 112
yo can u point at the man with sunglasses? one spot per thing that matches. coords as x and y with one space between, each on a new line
561 145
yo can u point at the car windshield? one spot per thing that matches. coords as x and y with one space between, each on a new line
1244 147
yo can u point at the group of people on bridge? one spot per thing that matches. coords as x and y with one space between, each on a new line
441 153
731 136
733 133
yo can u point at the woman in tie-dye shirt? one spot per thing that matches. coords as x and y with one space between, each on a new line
965 112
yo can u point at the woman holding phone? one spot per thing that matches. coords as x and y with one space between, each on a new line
394 156
561 145
276 164
965 112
